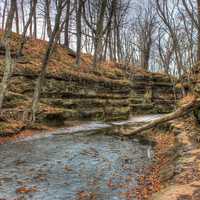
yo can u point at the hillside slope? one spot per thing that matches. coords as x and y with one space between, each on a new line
109 92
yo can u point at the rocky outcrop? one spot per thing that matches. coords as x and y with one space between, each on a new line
181 174
152 93
109 92
69 97
193 85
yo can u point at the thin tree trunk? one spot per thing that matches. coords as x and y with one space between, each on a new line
43 36
114 45
145 59
31 23
4 13
179 67
23 38
106 44
66 29
79 29
198 15
31 28
9 63
119 51
110 46
35 21
47 15
39 83
16 18
23 19
99 34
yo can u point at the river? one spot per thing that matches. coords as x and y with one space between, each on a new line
82 162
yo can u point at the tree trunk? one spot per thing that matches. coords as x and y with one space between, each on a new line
78 28
106 44
47 15
16 17
23 18
43 36
54 36
198 15
114 45
9 63
178 113
4 13
99 33
66 29
179 68
34 19
110 46
23 38
119 51
145 59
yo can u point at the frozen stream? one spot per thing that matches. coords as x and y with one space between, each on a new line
83 162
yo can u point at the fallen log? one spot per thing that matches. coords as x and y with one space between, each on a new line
185 109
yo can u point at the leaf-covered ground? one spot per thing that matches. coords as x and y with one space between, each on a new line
175 174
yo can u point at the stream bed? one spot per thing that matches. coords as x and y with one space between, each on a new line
84 162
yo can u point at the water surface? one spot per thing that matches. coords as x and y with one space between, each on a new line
88 162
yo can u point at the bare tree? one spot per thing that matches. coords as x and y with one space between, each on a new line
16 17
146 25
166 49
51 45
23 38
80 4
22 10
4 13
66 28
195 17
47 17
98 25
167 16
9 62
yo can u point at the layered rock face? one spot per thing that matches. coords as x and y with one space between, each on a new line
195 86
71 97
70 93
152 93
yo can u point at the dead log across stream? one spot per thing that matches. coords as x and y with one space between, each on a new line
186 108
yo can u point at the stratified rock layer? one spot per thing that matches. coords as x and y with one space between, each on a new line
109 92
152 93
70 97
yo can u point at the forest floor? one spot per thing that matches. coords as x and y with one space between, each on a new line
175 173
